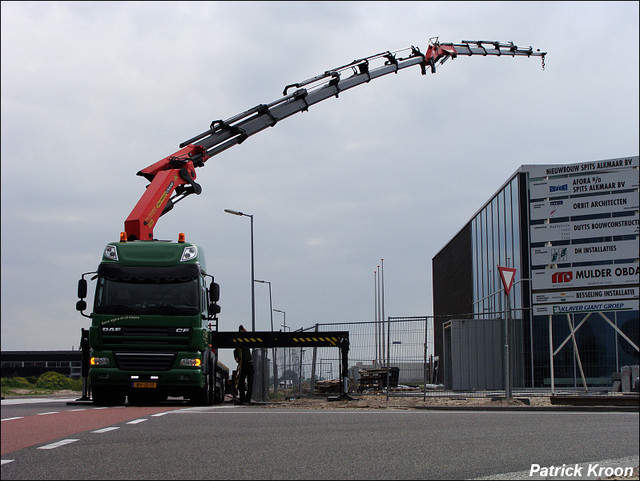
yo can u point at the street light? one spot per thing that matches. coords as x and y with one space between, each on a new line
270 299
284 314
253 292
285 319
275 367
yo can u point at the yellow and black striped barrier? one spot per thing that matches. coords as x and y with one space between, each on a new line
269 339
222 339
331 340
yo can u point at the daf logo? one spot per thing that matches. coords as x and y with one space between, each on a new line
111 329
182 329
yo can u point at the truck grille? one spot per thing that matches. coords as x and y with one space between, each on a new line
162 337
144 361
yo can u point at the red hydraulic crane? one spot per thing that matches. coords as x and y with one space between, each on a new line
173 178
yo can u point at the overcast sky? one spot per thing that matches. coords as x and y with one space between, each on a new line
93 92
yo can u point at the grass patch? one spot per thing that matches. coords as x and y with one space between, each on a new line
48 383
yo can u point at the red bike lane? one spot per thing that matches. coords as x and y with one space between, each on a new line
29 431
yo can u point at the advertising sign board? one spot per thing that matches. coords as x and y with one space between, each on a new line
581 168
584 184
591 209
597 204
570 277
617 305
586 229
597 251
592 295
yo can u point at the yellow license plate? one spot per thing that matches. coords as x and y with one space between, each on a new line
141 384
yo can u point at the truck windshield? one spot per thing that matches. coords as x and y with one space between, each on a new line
167 298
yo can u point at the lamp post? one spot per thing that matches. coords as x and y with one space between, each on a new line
275 367
253 291
284 326
270 299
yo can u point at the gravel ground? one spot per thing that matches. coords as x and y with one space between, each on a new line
375 401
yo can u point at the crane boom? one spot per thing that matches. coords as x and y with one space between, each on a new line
173 178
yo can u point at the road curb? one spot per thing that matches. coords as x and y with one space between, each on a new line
529 408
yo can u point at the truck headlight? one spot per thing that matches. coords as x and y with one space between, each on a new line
110 252
191 362
189 252
99 361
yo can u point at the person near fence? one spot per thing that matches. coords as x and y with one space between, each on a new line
244 375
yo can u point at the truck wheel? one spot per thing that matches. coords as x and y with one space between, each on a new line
107 397
211 383
204 396
146 397
118 398
200 396
100 397
137 398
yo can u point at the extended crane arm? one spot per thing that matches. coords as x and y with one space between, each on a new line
173 177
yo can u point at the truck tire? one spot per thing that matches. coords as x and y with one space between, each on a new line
100 397
107 397
204 396
198 397
140 398
211 382
148 398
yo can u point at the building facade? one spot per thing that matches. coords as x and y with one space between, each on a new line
571 233
36 363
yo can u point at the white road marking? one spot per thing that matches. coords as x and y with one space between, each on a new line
10 419
106 430
58 444
9 402
5 461
137 421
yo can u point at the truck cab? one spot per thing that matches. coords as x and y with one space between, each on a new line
153 311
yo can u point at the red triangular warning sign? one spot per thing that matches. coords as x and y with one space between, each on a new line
507 274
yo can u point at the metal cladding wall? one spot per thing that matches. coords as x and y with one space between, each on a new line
452 283
473 354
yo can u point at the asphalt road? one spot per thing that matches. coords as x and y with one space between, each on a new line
247 442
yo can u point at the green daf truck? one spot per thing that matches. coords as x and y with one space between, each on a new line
154 309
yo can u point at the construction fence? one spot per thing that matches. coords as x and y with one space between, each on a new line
308 371
396 357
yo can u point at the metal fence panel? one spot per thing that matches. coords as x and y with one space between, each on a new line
395 357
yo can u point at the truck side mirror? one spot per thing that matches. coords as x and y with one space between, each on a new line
214 309
81 305
82 290
214 292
